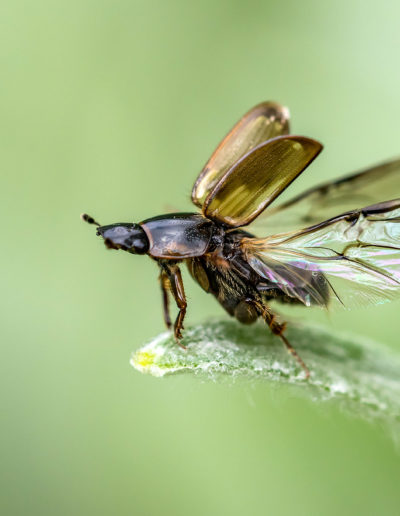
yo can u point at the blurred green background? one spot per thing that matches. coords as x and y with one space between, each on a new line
112 107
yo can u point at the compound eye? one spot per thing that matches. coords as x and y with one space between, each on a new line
141 245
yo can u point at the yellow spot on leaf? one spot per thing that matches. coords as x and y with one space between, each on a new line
144 359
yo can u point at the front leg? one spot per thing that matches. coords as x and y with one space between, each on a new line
175 279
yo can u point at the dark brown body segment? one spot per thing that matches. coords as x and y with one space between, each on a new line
178 235
227 275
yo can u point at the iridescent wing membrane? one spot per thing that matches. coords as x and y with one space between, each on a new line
252 165
352 259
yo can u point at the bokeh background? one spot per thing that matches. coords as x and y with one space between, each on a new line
112 107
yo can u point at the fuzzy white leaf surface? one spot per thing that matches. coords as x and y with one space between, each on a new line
362 375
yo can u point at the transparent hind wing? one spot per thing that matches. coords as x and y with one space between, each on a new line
350 260
263 122
355 190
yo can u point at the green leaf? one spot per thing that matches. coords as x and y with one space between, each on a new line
361 374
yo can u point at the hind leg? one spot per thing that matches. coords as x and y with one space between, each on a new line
278 329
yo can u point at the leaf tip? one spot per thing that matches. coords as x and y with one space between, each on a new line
143 360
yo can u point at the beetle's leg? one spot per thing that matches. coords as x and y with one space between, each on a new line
178 291
165 289
278 329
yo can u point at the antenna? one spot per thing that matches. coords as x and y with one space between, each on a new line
90 220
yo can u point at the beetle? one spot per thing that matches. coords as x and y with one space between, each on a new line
312 256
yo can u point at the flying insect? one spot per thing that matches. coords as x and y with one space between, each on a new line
311 256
